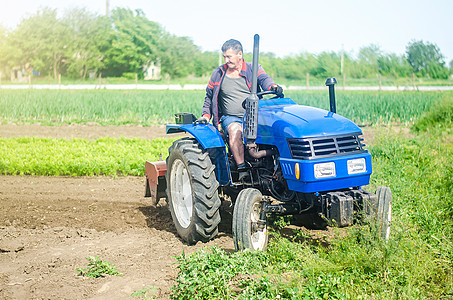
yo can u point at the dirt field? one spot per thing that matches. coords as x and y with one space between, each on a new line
50 225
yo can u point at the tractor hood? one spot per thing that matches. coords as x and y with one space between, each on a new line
283 118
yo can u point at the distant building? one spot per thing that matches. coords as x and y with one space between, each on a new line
91 74
152 71
20 74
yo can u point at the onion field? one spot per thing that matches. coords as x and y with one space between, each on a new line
50 107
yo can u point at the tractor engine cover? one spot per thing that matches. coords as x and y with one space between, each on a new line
338 208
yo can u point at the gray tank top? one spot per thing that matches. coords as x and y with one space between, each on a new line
232 92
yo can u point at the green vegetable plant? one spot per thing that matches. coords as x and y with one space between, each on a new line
97 268
79 157
145 293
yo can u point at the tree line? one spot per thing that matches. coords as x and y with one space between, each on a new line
126 42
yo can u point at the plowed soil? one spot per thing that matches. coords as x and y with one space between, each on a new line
50 225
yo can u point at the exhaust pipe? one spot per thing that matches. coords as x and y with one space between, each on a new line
331 82
251 103
258 154
251 108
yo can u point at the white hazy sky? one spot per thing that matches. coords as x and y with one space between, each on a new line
285 26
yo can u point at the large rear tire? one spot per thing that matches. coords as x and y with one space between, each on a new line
192 191
247 233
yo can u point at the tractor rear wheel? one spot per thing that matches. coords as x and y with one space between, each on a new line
247 232
384 211
192 191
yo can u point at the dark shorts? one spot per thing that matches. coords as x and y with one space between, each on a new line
225 121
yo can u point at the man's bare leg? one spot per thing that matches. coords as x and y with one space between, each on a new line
236 144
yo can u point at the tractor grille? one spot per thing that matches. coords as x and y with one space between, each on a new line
313 148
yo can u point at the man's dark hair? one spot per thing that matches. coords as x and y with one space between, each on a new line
235 45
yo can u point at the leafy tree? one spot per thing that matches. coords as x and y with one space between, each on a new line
267 61
206 62
179 55
9 55
293 67
426 59
127 42
328 65
89 34
368 58
394 66
41 40
290 68
134 42
3 49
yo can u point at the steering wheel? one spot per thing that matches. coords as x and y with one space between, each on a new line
262 93
271 92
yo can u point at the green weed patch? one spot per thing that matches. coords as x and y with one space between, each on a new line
145 293
98 268
416 263
438 117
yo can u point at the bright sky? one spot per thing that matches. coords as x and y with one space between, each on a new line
285 26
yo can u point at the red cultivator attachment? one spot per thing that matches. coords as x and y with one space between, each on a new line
155 180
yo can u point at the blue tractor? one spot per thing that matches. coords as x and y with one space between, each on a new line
301 160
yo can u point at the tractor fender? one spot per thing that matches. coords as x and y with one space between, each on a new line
206 134
211 139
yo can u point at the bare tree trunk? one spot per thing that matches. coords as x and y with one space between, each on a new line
85 70
55 66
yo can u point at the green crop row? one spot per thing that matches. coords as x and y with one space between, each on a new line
157 107
375 107
79 157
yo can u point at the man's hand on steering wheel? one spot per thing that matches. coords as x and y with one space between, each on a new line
203 119
278 90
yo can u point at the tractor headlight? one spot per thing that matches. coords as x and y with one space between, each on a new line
324 170
356 166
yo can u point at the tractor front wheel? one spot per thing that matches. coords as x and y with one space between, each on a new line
384 211
249 232
192 191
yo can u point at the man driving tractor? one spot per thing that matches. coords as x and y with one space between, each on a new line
229 85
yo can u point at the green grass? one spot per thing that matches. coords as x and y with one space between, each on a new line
438 117
416 263
105 107
79 157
